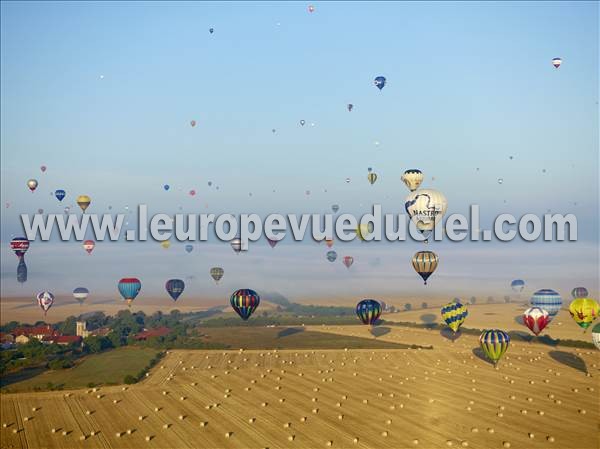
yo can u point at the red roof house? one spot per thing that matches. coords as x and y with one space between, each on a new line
158 332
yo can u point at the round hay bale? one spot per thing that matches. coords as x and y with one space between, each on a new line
291 437
303 419
82 438
228 434
415 441
166 426
118 434
506 444
129 431
53 430
287 425
340 417
93 433
148 437
355 440
15 431
449 443
531 435
330 443
464 443
490 430
474 430
181 417
582 411
26 418
384 433
315 410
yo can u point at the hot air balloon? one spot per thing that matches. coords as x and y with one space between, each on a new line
494 344
517 285
379 82
43 168
363 230
217 273
584 311
211 30
193 123
454 314
425 263
426 207
166 244
272 243
372 178
329 243
536 319
60 194
331 256
596 335
175 288
45 301
40 211
556 62
548 300
21 271
348 180
189 248
32 184
348 261
166 187
236 244
311 8
80 294
83 201
302 122
244 302
335 208
368 311
579 292
19 245
89 246
192 192
412 178
129 289
67 210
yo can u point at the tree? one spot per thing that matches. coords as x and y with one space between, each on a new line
507 299
69 326
423 305
408 306
473 300
490 299
95 344
129 379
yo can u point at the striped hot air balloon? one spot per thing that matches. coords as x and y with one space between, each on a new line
217 273
129 289
244 302
579 292
536 319
556 62
548 300
45 301
372 178
517 285
331 256
236 245
368 311
19 245
89 246
425 263
80 294
584 311
494 344
454 314
412 178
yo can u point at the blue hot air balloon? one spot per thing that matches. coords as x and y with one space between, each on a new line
380 82
175 288
368 311
129 289
548 300
189 248
166 187
518 285
60 194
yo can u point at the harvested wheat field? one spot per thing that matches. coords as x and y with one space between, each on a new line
448 396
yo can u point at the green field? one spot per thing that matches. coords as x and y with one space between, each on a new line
105 368
283 337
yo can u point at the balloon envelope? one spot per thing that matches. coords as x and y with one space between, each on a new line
32 184
536 319
596 335
83 201
584 311
60 194
348 261
89 246
412 179
45 301
380 82
425 207
175 288
244 302
129 289
80 294
454 314
189 248
548 300
331 256
217 273
494 344
517 285
19 245
579 292
368 311
425 263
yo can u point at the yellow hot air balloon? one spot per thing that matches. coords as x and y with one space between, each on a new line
584 311
372 177
363 230
165 244
412 179
83 201
454 314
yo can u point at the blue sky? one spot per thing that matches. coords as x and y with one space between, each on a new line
469 85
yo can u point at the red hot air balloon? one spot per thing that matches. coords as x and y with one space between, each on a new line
19 245
89 246
348 261
536 319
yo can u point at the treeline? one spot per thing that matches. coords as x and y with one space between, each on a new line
129 379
